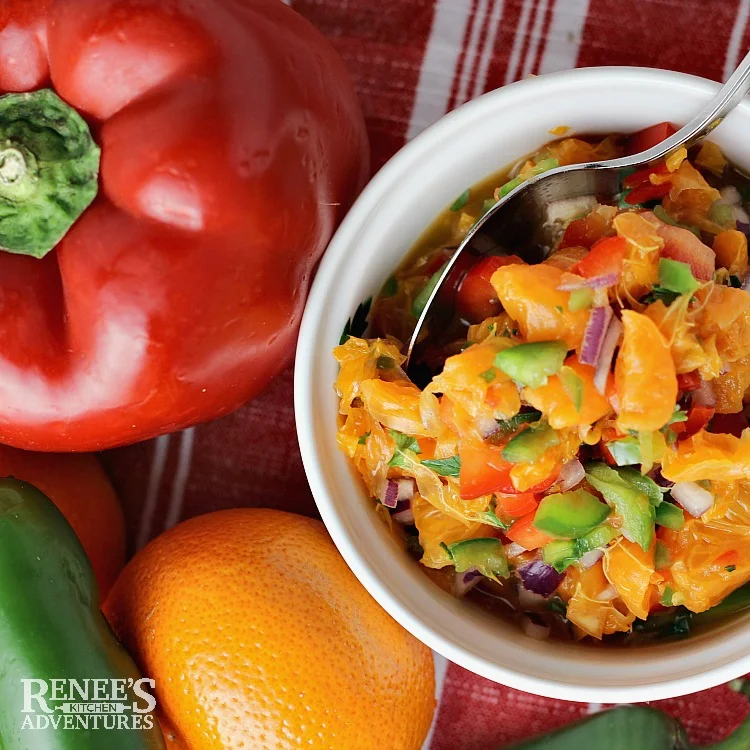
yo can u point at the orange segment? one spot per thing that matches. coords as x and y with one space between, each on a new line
645 377
715 457
629 569
554 401
730 247
530 296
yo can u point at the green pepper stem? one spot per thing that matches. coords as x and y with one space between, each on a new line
12 166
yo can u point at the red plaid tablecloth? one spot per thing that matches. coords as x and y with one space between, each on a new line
413 60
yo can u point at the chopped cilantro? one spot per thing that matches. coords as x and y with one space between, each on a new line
660 293
357 325
509 426
677 416
488 375
390 287
557 605
666 598
461 201
730 568
559 308
403 443
446 467
363 438
385 363
489 516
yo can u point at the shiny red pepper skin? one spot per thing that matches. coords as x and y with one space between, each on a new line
232 143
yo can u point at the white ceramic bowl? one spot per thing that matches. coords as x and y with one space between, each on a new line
400 202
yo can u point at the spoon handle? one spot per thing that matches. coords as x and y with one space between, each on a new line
726 99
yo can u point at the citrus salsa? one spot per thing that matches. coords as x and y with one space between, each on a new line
578 459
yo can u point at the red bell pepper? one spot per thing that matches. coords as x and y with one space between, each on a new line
649 137
477 298
484 471
605 257
231 144
689 381
524 533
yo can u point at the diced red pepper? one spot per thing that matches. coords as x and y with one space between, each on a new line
729 424
650 136
606 257
524 533
642 176
477 298
689 381
516 505
699 416
484 471
646 193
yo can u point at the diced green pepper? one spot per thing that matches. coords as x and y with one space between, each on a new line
420 301
662 556
629 501
531 364
509 426
487 555
722 214
676 276
643 483
570 514
626 451
564 552
572 384
508 186
670 516
580 299
531 444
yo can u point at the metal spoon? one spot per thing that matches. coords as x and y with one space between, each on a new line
519 219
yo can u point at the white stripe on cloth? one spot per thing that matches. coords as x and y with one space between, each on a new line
496 17
181 475
470 54
564 36
515 55
536 37
439 64
735 39
158 462
441 667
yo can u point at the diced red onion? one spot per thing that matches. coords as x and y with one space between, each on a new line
593 337
405 488
611 339
743 226
693 498
730 196
403 513
534 630
529 600
486 425
592 282
514 549
607 594
389 494
658 477
465 582
704 395
571 474
540 578
591 558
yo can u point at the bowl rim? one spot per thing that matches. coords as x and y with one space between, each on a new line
304 405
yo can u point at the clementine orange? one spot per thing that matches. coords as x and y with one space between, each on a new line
259 636
77 484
